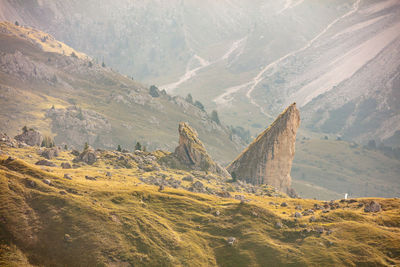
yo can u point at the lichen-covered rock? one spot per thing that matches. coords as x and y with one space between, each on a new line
8 141
50 153
66 165
30 137
44 162
88 156
372 207
268 159
192 153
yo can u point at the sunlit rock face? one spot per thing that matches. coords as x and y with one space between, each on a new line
268 159
192 152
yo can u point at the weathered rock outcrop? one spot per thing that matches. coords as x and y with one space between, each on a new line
50 153
75 126
268 159
192 153
30 137
89 156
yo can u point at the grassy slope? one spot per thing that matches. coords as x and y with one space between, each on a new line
328 169
118 221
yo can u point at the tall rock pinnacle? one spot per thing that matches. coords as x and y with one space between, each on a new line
192 152
268 159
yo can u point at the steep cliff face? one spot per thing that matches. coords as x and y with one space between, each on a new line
268 159
192 152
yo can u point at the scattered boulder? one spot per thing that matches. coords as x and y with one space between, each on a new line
108 174
373 206
88 156
75 152
197 187
44 162
47 181
231 240
66 165
31 183
284 204
62 192
278 225
67 176
312 219
217 213
67 238
90 178
239 197
297 214
50 153
8 141
317 207
30 137
225 194
10 159
188 178
307 212
161 188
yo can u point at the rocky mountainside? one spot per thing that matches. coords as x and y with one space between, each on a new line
268 159
65 94
249 59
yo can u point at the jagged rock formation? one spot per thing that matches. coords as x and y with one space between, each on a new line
192 153
30 137
268 159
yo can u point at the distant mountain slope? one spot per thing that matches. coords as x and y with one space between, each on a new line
49 86
337 59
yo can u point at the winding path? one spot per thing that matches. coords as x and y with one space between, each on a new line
226 96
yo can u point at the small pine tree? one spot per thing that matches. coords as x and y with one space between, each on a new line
90 64
65 147
215 117
24 129
80 115
48 142
153 91
119 148
189 99
138 146
86 146
199 105
74 55
16 23
103 64
234 178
